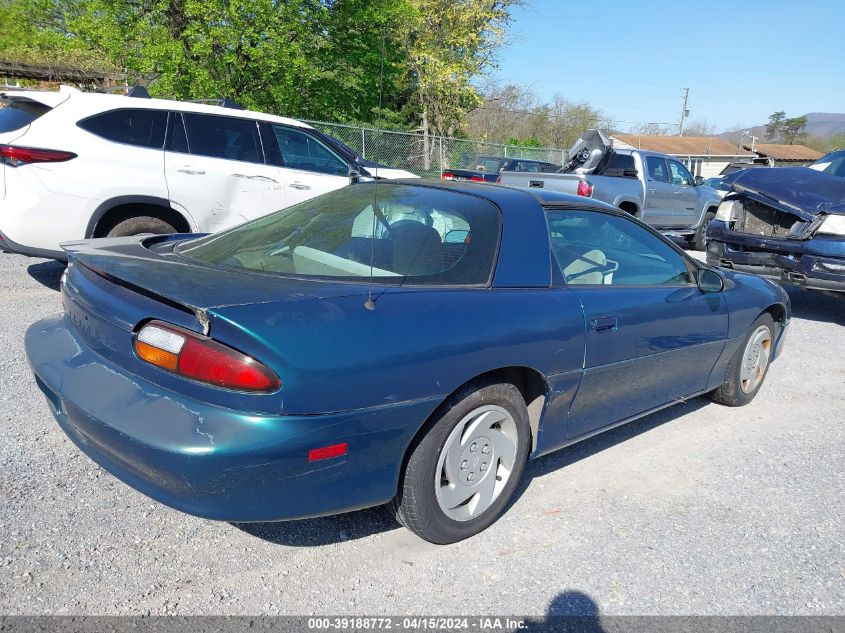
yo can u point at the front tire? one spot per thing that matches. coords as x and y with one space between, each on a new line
464 467
748 368
699 242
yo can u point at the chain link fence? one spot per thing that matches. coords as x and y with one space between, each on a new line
427 157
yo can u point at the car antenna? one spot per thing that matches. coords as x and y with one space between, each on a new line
369 304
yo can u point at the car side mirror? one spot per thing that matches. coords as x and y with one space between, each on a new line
357 176
710 281
699 181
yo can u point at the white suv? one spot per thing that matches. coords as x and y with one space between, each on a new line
77 165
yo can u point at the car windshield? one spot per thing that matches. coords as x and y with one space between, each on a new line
403 234
833 164
716 183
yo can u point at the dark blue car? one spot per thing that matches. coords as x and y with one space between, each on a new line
406 343
785 223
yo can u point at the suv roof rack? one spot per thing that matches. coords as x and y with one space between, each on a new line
223 102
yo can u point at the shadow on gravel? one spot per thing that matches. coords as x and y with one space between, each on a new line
363 523
48 274
817 306
324 530
597 443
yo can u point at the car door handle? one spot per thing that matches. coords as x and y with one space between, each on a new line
187 169
298 185
599 324
652 190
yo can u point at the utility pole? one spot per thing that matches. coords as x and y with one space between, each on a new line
684 112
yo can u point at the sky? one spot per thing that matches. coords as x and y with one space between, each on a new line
741 59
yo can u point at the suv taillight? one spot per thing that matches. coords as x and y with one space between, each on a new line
17 156
197 357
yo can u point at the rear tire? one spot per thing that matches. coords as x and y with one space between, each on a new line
464 467
140 225
749 367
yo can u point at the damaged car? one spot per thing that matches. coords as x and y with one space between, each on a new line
408 343
785 223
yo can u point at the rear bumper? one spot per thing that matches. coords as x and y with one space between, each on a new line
211 461
796 263
8 246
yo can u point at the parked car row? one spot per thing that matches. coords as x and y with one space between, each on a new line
79 165
263 370
653 187
490 168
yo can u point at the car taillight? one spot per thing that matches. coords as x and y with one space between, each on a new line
199 358
17 156
585 189
477 178
447 176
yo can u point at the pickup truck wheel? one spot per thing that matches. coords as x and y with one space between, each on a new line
748 368
699 242
140 225
463 469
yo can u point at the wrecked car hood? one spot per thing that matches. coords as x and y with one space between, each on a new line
798 190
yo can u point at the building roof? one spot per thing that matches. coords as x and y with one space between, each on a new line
683 145
778 151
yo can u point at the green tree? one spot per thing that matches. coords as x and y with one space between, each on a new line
446 44
794 130
775 125
311 58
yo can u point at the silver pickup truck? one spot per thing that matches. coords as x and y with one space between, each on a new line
654 187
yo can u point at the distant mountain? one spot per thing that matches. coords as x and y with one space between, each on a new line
821 124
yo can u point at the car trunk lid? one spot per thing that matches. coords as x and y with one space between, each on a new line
148 265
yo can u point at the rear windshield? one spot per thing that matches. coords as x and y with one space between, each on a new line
18 113
407 234
491 165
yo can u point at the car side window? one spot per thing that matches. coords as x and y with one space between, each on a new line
526 166
656 168
600 249
225 137
680 174
130 126
301 150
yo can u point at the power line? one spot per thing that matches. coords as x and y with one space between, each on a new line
572 117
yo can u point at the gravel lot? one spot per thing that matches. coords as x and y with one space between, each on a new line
699 509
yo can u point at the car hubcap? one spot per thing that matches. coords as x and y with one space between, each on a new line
476 462
756 359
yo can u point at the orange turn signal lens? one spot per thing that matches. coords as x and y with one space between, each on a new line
155 356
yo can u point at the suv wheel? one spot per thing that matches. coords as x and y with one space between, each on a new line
140 225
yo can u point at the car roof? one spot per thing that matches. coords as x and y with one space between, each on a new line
104 101
500 194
